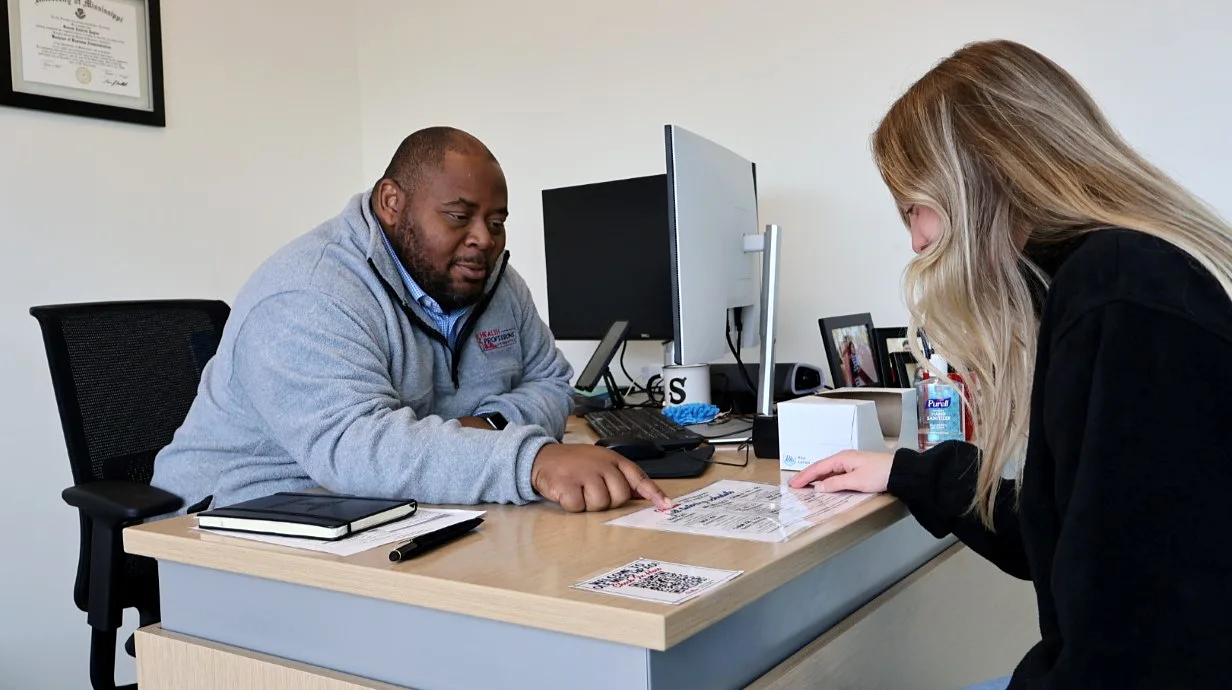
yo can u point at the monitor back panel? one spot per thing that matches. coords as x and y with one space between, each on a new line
607 250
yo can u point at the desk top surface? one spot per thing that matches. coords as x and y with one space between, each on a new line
520 565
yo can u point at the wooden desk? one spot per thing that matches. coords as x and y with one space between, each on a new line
496 608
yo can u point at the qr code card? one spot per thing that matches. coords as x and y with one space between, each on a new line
666 583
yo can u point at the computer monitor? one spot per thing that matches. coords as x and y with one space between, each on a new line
712 206
608 258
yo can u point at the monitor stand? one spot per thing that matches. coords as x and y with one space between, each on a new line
765 434
765 422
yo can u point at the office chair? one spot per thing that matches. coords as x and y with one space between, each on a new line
124 376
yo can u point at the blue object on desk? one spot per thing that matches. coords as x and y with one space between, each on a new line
691 413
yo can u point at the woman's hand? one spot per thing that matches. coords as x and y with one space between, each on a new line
850 470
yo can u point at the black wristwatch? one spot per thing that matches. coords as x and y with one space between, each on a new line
496 419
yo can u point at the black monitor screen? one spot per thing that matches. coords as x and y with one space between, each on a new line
607 250
599 361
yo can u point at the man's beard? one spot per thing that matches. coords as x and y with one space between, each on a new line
432 281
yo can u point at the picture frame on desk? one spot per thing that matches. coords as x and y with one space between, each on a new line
88 58
889 341
904 367
851 349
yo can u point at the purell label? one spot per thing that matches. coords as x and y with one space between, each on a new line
937 403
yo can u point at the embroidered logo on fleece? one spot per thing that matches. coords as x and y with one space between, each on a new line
496 338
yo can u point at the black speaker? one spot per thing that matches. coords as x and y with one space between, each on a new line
729 391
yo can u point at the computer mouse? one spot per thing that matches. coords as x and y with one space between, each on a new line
632 448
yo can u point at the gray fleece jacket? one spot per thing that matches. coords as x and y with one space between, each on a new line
329 376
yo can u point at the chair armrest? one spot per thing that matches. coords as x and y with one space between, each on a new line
113 502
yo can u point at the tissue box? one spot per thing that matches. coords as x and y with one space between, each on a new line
815 427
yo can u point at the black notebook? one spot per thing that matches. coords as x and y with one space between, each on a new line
318 516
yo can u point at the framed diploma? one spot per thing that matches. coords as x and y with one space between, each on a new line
92 58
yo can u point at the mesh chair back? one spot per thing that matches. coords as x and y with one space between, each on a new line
124 375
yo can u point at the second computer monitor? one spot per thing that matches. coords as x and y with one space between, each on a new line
607 251
712 205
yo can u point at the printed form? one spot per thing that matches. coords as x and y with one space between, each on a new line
745 510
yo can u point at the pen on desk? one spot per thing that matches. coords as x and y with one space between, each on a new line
424 542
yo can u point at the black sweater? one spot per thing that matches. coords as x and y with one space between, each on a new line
1125 523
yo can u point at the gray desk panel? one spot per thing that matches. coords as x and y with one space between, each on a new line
748 643
427 649
404 645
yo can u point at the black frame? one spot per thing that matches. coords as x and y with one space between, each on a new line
827 326
155 117
884 336
898 363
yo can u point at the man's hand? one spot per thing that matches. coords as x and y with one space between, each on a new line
583 477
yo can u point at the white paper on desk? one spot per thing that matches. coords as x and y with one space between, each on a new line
666 583
422 522
745 510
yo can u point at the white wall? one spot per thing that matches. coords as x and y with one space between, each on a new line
570 92
261 144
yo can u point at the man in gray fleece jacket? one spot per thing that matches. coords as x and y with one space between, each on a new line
392 351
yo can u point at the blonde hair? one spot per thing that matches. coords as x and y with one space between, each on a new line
1006 146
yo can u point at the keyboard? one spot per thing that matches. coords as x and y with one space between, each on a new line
643 423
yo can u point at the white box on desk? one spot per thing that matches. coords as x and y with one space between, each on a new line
815 427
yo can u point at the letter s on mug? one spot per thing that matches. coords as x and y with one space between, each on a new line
683 384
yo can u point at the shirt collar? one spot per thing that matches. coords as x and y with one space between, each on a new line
1048 257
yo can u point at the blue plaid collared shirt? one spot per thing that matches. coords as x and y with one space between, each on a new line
446 323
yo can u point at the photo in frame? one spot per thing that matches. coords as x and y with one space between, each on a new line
90 58
851 349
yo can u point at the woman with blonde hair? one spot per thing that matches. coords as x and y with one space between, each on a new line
1085 297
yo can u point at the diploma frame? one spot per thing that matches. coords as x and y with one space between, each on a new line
148 109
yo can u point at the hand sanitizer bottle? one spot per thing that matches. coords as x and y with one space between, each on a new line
940 410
